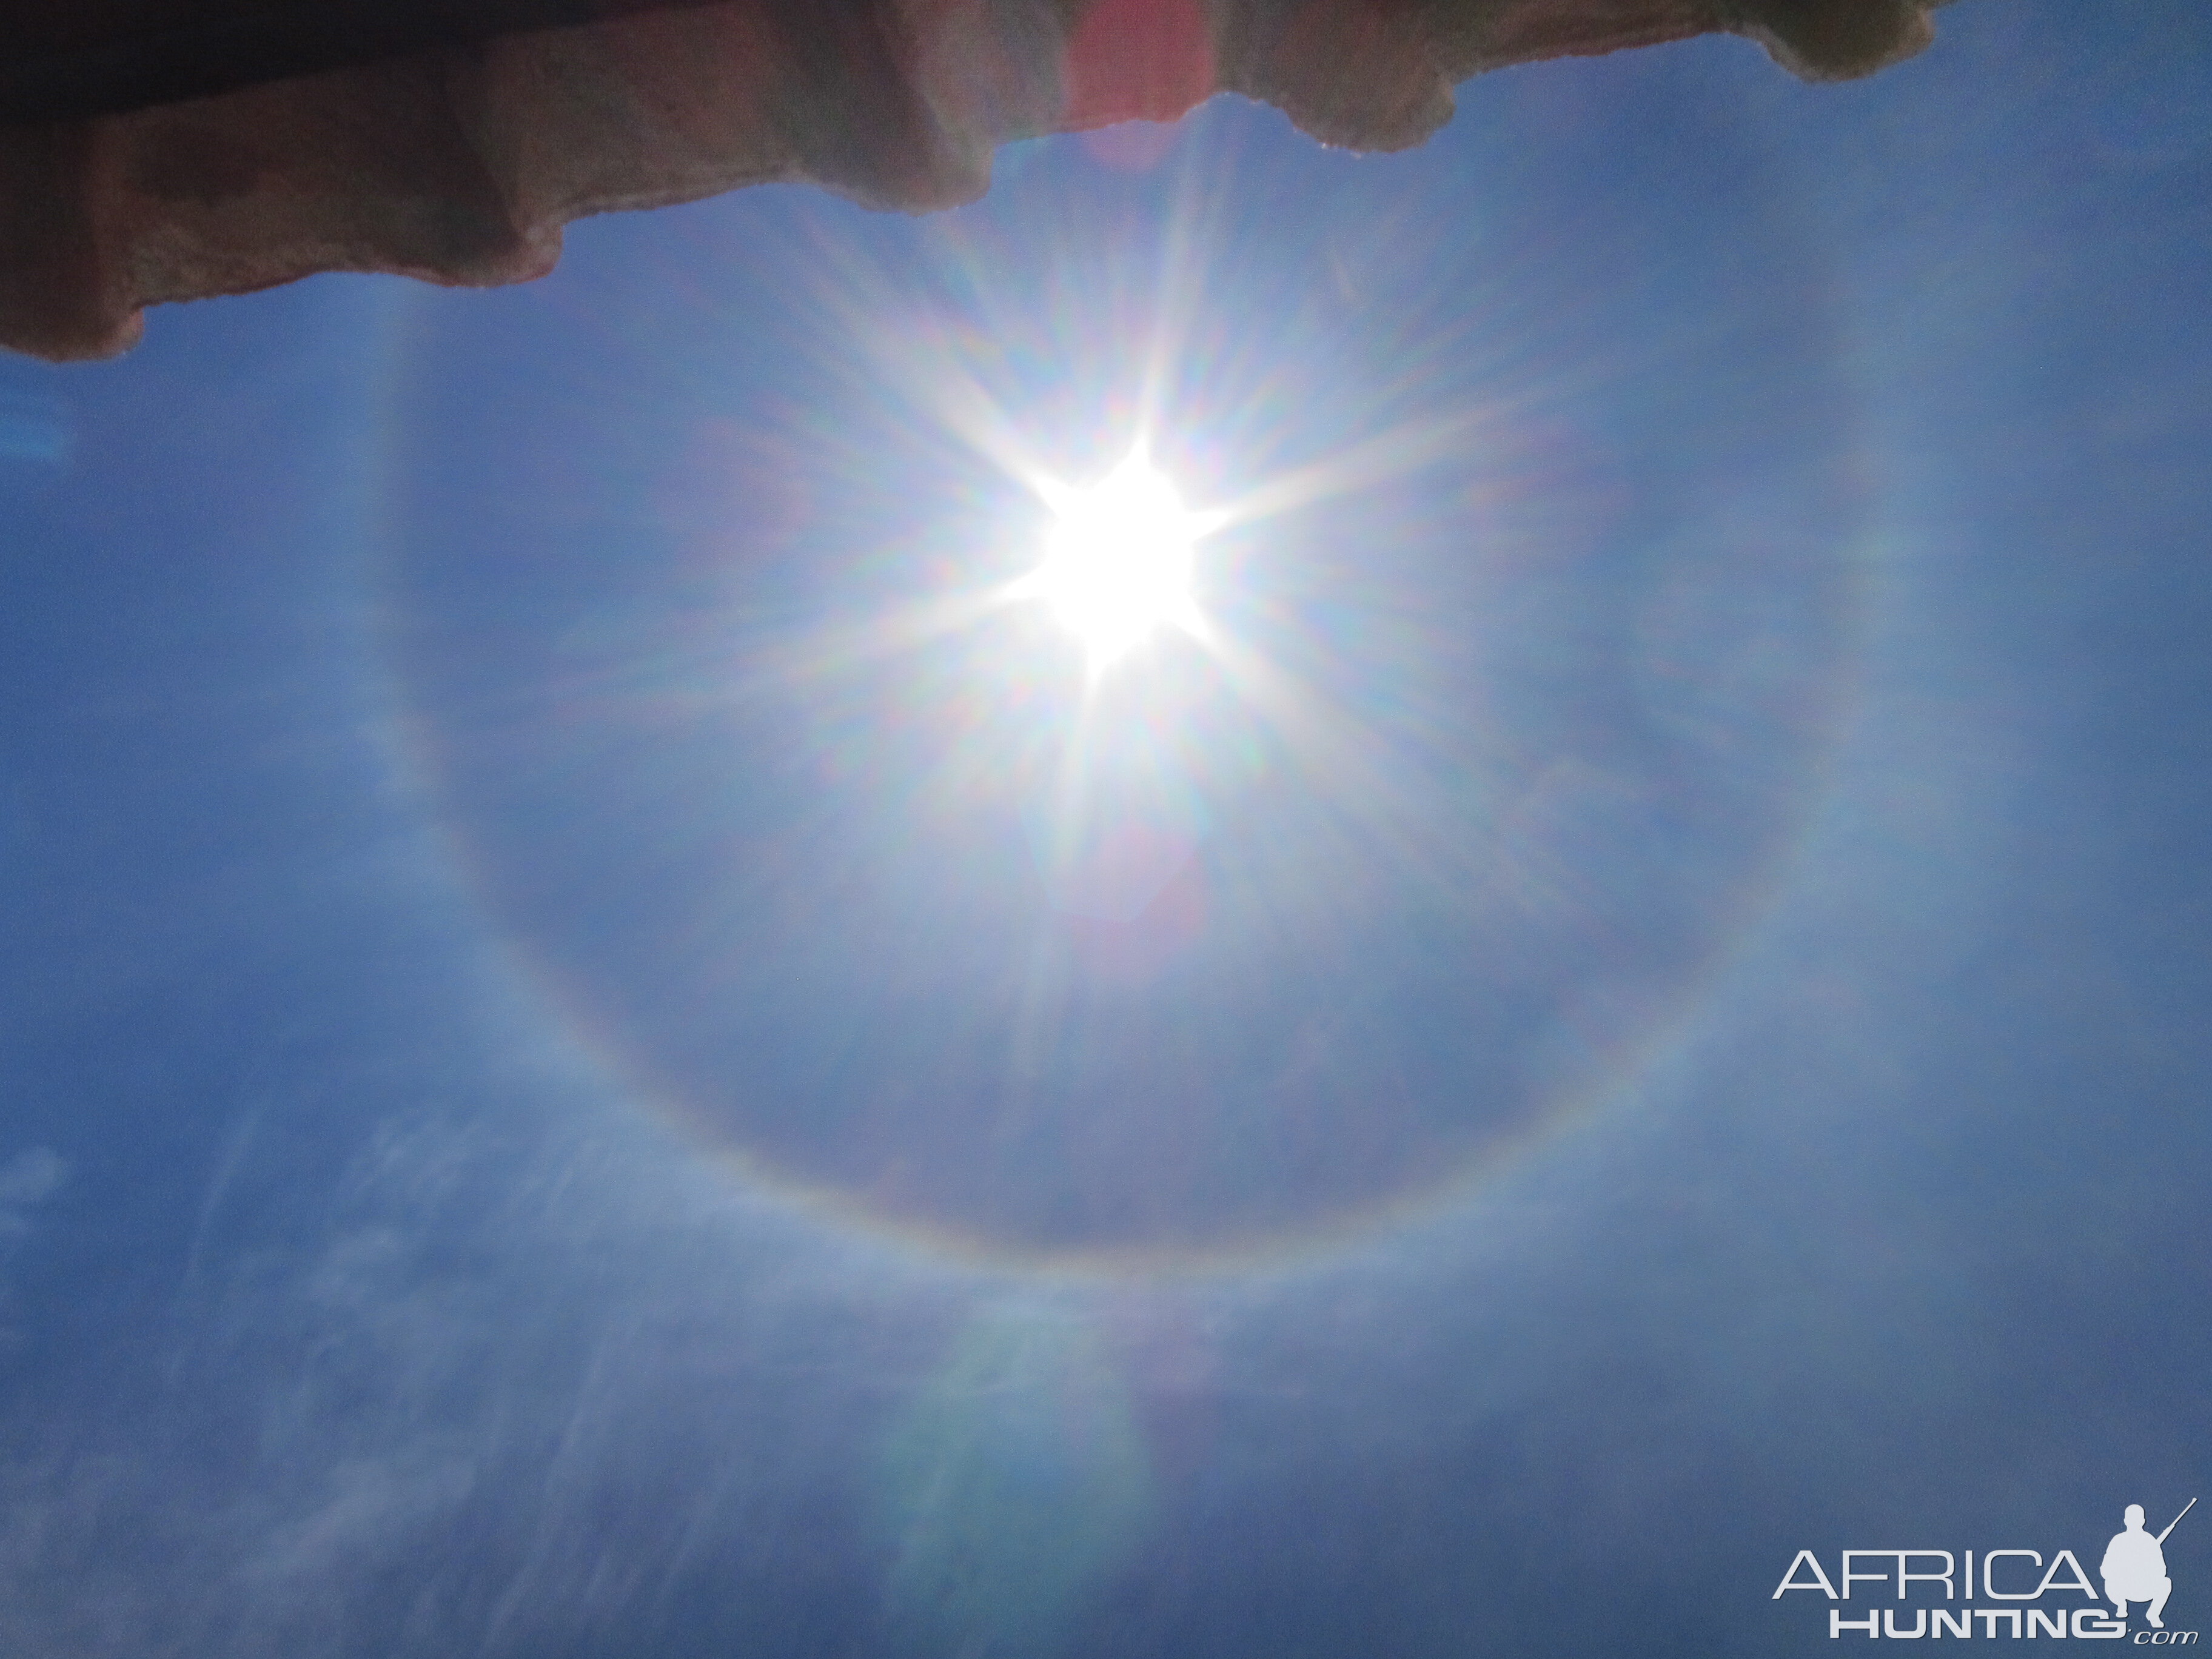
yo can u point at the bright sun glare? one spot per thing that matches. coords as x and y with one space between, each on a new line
1118 563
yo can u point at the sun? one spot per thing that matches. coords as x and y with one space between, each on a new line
1119 558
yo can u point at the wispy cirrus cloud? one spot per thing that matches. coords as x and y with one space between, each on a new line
26 1181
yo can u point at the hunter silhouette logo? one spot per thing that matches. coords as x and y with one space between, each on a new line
2135 1565
2133 1569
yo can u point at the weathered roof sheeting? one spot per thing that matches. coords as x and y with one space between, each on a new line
170 149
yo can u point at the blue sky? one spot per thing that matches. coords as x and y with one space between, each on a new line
582 1077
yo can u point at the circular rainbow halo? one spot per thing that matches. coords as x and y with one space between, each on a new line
1119 559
